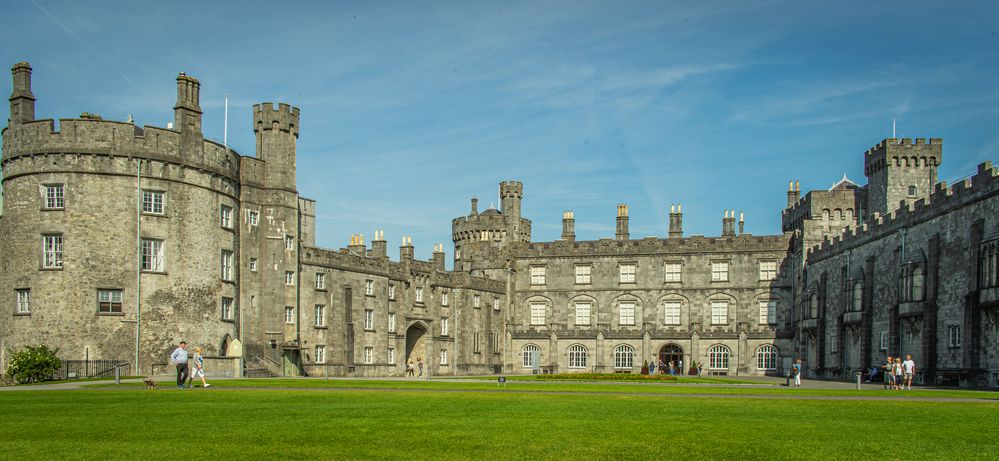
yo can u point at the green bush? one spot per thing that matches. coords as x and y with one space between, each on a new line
33 364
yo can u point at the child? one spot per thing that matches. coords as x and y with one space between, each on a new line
199 367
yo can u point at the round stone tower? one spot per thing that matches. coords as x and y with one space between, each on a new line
480 238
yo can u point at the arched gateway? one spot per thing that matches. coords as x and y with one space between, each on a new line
674 353
417 343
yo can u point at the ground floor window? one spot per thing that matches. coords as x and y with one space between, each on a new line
368 355
528 354
718 357
624 356
577 356
766 357
320 354
443 356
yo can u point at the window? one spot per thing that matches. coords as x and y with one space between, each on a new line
627 272
253 264
496 303
988 270
624 356
768 311
391 292
227 265
289 314
833 343
671 312
537 314
577 356
768 270
883 343
457 253
766 357
673 271
391 323
912 191
152 255
954 335
109 301
718 357
476 301
528 355
443 356
475 342
289 242
444 329
719 271
253 217
152 201
369 288
391 355
626 313
226 308
320 281
419 294
23 301
320 315
582 313
537 275
814 306
719 312
225 216
320 354
858 297
54 198
289 278
495 344
444 296
917 283
369 319
583 273
368 354
52 251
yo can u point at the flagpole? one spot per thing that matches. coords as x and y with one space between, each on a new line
225 129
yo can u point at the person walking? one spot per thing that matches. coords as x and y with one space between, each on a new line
199 367
898 374
652 367
796 372
179 358
888 374
908 369
419 364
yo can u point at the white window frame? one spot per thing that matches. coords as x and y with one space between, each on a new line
883 341
391 292
626 312
624 357
476 301
320 280
369 355
954 335
55 197
226 265
289 242
673 271
391 322
444 326
52 251
766 357
537 313
768 269
153 258
419 294
112 297
719 312
225 216
253 264
719 271
583 313
443 357
320 315
153 201
289 278
444 298
496 303
577 354
718 357
672 312
538 275
628 272
768 311
369 319
23 299
289 315
369 287
584 274
525 354
253 217
320 353
227 308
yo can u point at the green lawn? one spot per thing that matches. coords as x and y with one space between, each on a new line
136 424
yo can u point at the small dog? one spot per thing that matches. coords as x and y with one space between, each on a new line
150 383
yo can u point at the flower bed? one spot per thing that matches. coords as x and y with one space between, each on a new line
606 377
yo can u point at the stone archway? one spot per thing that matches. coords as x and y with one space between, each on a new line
674 353
416 343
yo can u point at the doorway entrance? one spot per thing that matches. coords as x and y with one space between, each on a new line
674 353
416 344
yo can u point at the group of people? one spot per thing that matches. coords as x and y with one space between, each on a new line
179 357
897 373
411 371
664 368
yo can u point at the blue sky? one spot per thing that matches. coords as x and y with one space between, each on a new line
411 108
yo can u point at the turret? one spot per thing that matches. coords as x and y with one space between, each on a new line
568 226
793 193
22 101
277 136
676 221
187 111
622 222
511 192
901 170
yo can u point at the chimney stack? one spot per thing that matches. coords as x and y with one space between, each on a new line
568 226
622 222
22 100
437 259
187 111
406 250
475 206
357 244
793 193
742 223
728 223
379 247
676 221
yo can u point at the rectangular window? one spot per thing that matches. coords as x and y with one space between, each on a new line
883 343
583 274
289 314
419 294
496 303
768 270
537 275
444 298
627 313
443 356
320 315
226 308
253 264
320 354
444 329
628 273
52 251
23 301
673 271
391 323
537 314
833 344
391 355
671 313
495 344
320 281
225 216
768 311
391 292
289 278
475 343
152 201
369 355
289 242
226 265
253 217
54 197
719 271
109 301
476 301
369 319
954 335
719 312
369 288
582 313
152 255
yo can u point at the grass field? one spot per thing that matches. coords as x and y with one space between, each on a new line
420 423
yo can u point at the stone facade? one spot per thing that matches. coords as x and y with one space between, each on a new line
117 241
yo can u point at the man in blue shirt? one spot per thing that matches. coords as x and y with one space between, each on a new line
179 358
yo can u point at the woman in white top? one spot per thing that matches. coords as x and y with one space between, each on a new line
199 367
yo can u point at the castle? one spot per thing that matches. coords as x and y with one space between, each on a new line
116 241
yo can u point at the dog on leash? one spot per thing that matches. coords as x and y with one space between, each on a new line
150 383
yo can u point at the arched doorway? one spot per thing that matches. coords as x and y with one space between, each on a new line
674 353
416 343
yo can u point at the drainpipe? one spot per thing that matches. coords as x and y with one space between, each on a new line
138 254
901 258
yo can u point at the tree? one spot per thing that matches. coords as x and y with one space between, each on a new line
33 364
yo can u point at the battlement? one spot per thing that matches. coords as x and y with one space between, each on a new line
903 152
511 189
655 246
943 199
284 118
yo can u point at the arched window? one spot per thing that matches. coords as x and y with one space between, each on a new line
528 354
624 356
912 191
577 356
917 283
766 357
858 296
718 357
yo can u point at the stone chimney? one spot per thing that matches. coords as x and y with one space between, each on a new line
793 193
622 222
357 244
742 223
379 247
676 221
728 223
437 258
187 111
475 206
406 250
568 226
22 100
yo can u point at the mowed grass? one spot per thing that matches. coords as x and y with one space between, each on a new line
130 423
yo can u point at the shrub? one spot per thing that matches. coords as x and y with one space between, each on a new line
33 364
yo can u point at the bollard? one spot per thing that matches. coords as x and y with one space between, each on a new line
857 375
788 384
117 375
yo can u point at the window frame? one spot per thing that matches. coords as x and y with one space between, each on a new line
391 322
253 217
55 201
226 308
624 357
22 306
768 311
153 255
621 318
289 315
226 262
320 351
955 335
225 216
369 288
629 276
718 355
673 276
583 274
766 272
319 316
766 357
577 355
53 254
720 271
320 280
577 308
289 278
155 207
368 355
525 355
534 309
667 316
369 319
110 302
538 275
715 305
443 355
445 327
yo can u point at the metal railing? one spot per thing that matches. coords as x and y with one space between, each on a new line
97 368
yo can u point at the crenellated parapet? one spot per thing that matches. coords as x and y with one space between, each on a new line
744 243
267 118
903 152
